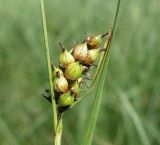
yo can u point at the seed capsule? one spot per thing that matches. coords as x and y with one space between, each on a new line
93 42
56 71
80 52
61 84
91 57
65 59
66 99
73 71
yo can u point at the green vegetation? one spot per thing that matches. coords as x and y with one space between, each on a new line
129 113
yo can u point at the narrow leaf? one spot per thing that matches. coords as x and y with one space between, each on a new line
88 134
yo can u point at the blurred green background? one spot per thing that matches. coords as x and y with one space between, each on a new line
130 110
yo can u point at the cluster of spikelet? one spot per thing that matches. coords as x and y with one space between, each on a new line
73 65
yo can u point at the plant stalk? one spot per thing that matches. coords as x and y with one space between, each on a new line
58 134
54 108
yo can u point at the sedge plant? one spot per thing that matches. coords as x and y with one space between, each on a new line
67 79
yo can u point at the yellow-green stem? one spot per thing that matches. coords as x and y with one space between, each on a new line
58 133
49 65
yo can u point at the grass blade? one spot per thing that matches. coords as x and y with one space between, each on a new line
8 135
88 134
132 115
136 120
87 138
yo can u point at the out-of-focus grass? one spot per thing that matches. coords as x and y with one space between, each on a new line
26 118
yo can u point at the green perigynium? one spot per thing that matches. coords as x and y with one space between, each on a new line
65 99
73 71
80 51
93 42
56 71
61 84
91 57
65 59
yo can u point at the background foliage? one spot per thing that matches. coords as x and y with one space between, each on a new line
130 108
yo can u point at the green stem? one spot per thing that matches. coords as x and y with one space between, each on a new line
49 65
58 134
58 139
